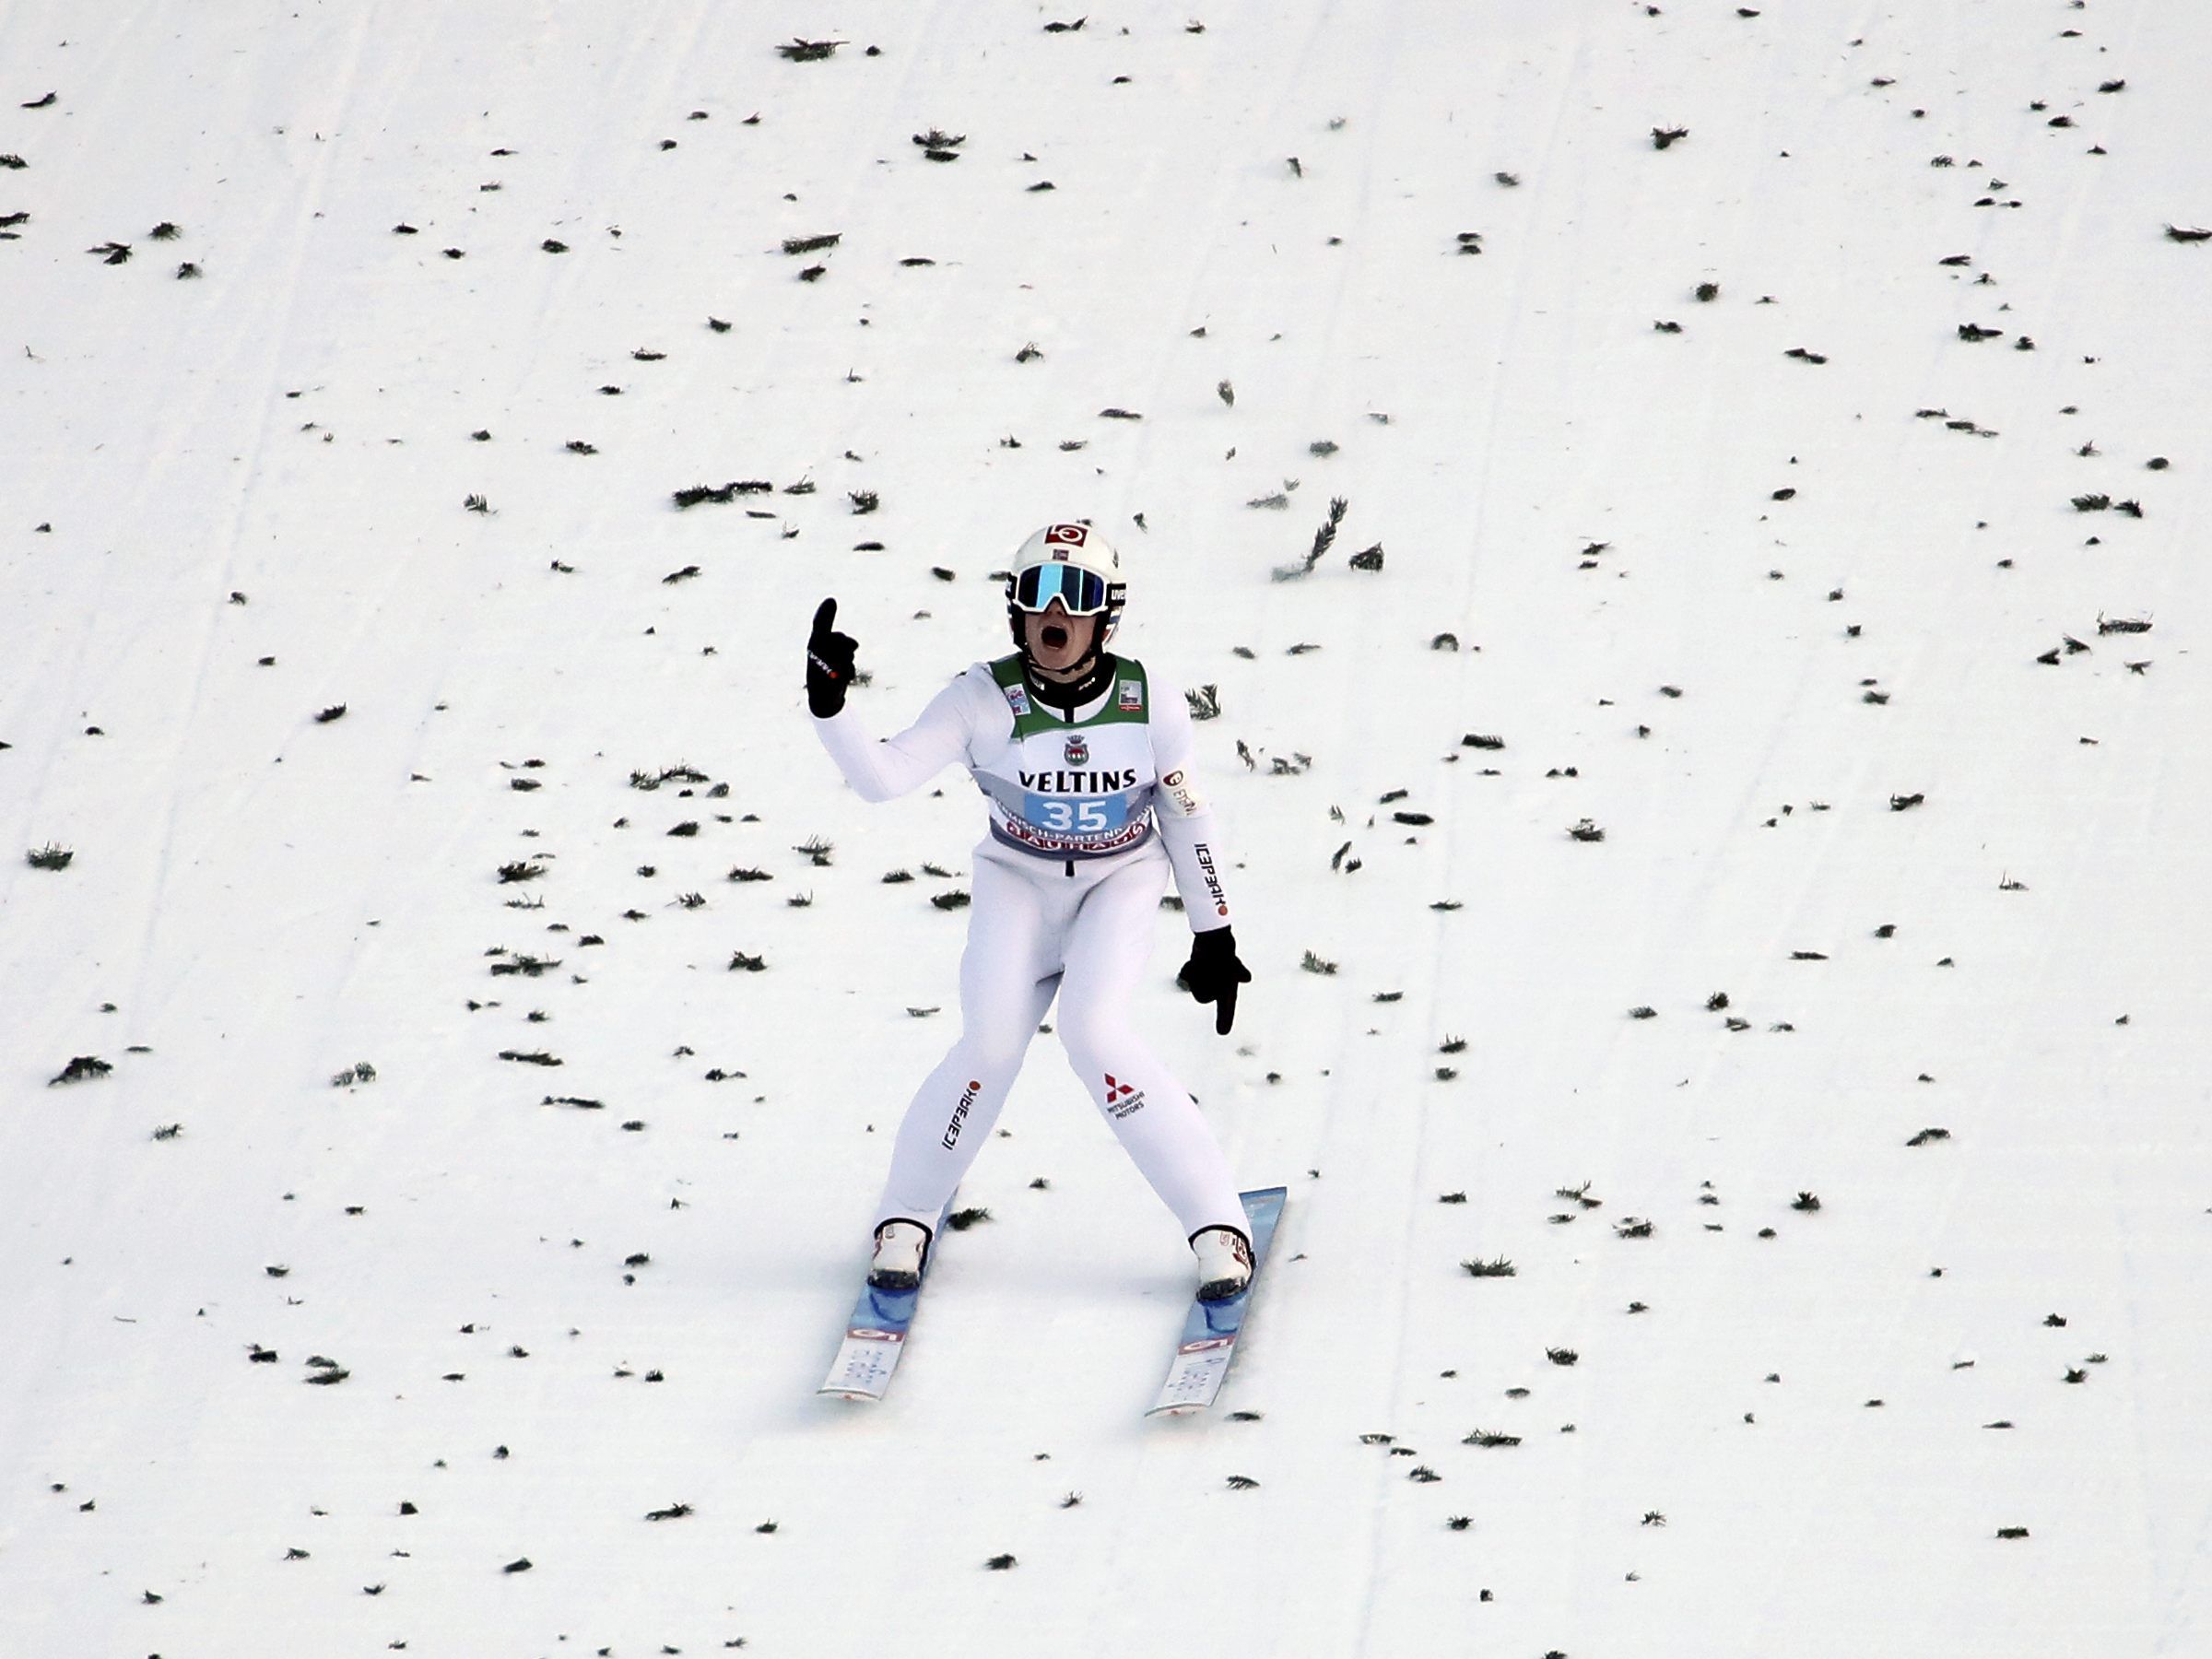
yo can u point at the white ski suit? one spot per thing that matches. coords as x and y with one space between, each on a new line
1067 893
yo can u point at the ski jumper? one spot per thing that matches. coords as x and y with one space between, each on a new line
1090 808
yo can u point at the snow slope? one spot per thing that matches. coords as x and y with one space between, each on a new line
1788 1450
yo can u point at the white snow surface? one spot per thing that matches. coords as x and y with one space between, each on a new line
1807 1442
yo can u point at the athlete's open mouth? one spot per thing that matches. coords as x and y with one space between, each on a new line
1055 636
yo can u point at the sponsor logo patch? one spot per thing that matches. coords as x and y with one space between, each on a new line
1018 699
959 1114
1122 1099
1020 833
1204 855
1180 794
1078 751
1061 537
1079 783
1132 696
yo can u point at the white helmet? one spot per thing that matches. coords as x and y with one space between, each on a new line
1074 564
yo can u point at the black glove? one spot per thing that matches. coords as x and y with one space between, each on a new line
829 662
1213 974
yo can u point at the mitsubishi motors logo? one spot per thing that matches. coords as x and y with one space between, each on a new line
1122 1099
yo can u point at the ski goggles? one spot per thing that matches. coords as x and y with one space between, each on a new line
1081 592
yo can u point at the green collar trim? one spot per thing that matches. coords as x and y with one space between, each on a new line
1128 698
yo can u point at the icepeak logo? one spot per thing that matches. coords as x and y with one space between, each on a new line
1122 1099
1204 855
959 1114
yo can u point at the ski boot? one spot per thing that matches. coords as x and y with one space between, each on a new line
1224 1262
902 1247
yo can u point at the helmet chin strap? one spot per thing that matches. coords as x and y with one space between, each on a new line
1077 682
1081 675
1080 669
1063 679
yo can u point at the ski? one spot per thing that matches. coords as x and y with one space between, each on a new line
1210 1329
876 1335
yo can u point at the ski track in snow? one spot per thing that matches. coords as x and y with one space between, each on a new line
556 1318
